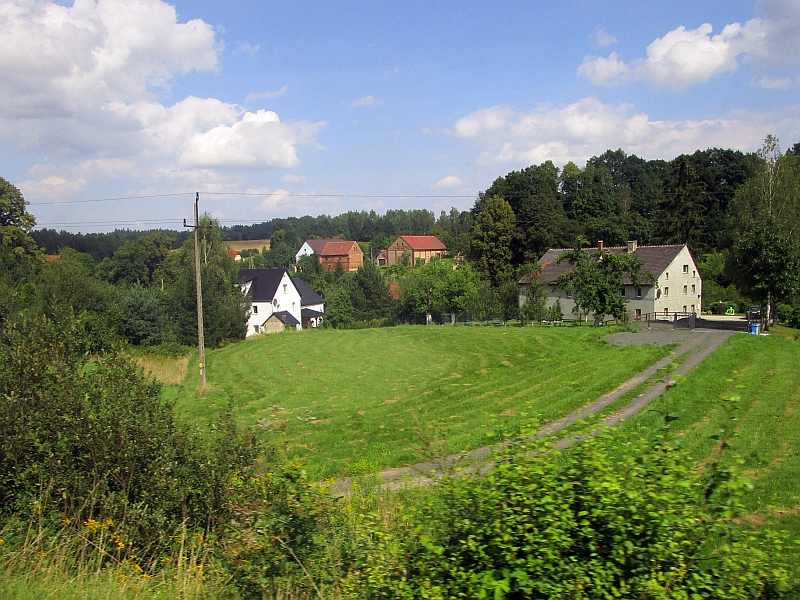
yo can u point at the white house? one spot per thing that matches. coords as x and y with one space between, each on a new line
276 302
310 247
312 306
676 288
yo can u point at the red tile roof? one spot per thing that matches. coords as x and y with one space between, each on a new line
423 242
338 248
318 245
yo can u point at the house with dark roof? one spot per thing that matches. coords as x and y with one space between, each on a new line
312 306
423 248
332 251
676 285
275 301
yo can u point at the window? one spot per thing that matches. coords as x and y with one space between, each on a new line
694 273
693 289
685 291
638 313
666 291
666 311
666 275
255 329
255 309
684 308
622 292
692 307
686 269
275 302
658 294
293 305
638 292
285 285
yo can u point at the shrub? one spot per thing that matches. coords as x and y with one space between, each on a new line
546 525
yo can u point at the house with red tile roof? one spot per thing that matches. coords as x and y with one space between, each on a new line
676 285
331 252
419 248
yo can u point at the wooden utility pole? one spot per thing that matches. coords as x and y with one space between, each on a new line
201 348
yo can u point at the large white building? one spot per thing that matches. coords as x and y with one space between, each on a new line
676 288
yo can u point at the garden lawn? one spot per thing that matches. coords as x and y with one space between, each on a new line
762 376
354 402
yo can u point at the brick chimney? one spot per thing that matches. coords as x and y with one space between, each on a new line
632 246
599 245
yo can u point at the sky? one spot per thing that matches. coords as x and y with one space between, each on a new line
113 113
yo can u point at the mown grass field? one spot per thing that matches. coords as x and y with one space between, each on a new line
352 402
761 380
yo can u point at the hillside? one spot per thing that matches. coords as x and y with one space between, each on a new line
350 402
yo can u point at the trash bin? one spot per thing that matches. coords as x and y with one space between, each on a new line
755 328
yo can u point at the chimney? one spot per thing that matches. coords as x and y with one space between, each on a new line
632 246
599 245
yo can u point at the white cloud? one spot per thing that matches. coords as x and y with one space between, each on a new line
683 56
267 94
576 132
777 83
256 140
366 101
448 182
603 39
289 178
78 85
250 49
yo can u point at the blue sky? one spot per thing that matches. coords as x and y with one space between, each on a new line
289 108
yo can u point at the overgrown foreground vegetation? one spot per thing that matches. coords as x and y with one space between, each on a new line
353 402
104 493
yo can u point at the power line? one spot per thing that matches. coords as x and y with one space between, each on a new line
254 194
62 202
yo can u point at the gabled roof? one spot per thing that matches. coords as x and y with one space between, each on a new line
265 282
423 242
655 260
318 245
285 317
307 295
338 248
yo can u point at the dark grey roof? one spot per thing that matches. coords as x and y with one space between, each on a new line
286 317
311 314
655 259
265 282
307 295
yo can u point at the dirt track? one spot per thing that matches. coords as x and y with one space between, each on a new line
698 344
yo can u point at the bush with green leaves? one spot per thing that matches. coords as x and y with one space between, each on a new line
543 524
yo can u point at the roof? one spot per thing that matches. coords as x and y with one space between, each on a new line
307 295
311 314
285 317
655 260
423 242
338 248
265 282
318 245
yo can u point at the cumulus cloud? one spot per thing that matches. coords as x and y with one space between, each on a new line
289 178
78 86
448 182
680 58
267 94
506 136
366 101
603 39
685 56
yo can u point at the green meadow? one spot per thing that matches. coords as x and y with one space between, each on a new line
745 394
354 402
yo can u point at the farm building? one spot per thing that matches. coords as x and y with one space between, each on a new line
272 292
677 286
331 251
418 247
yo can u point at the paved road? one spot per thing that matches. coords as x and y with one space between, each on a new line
698 344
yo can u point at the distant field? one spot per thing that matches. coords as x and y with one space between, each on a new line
762 372
248 244
359 401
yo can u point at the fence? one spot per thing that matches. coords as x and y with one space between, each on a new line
678 320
